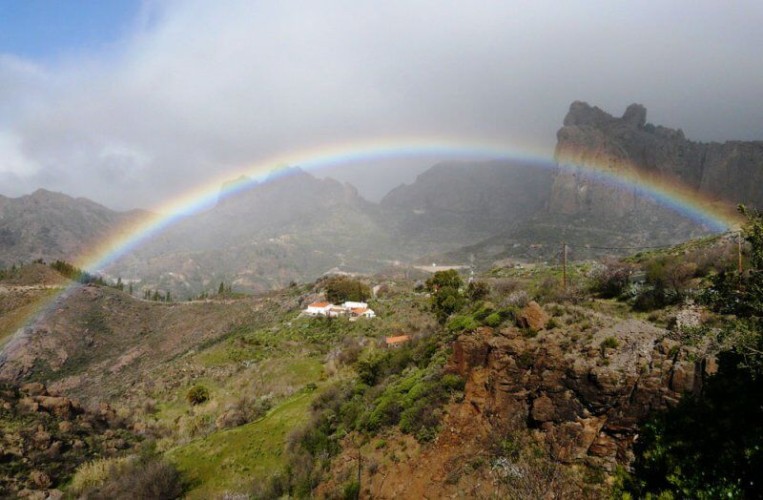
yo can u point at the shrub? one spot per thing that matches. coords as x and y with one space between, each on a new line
477 290
132 478
493 320
463 323
197 394
609 343
446 301
94 474
611 281
351 491
443 279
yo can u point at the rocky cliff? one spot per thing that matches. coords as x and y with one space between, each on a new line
584 392
731 172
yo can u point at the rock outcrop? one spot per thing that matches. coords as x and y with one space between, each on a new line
46 436
584 394
731 172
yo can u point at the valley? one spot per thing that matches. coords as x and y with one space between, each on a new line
535 331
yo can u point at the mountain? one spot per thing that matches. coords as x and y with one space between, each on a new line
47 225
729 171
456 204
596 218
293 227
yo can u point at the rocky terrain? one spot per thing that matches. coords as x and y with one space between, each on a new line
45 437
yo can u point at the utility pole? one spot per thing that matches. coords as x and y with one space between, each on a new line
739 251
564 266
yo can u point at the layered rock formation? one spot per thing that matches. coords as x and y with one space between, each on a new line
585 393
731 172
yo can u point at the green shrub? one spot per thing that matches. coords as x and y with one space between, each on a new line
463 323
493 320
351 491
197 394
453 382
609 343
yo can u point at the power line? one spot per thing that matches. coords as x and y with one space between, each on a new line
622 248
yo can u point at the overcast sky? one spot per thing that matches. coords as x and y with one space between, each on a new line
128 103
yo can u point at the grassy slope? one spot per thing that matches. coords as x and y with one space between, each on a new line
229 460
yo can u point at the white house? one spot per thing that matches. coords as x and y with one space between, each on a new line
336 311
319 309
354 310
362 312
355 305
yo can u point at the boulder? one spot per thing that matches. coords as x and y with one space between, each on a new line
532 317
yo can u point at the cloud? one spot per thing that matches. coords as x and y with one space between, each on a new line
199 87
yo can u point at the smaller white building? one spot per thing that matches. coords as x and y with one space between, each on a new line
355 305
362 312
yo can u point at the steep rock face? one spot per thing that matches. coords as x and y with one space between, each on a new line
585 398
731 172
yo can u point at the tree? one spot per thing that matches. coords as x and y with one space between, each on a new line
342 288
440 279
221 288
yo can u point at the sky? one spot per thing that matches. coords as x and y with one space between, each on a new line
130 103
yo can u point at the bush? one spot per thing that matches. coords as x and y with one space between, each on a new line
609 343
444 279
446 301
133 478
351 491
463 323
611 281
197 394
710 445
477 290
493 320
94 474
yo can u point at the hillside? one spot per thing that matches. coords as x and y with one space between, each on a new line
292 228
47 225
516 386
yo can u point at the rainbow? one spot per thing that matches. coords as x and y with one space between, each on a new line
701 209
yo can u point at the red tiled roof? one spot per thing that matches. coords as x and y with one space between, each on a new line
319 304
397 340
